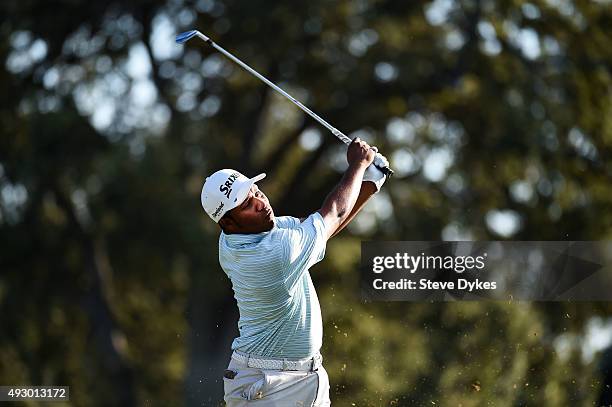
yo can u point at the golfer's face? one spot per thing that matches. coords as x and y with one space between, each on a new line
255 212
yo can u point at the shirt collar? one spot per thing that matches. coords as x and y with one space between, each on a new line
237 239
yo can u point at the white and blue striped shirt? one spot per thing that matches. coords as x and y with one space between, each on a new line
279 310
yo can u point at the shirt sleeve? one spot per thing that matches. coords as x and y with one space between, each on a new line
303 246
286 222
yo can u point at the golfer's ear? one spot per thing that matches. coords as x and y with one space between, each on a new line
227 224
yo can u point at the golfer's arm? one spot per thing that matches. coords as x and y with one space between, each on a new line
340 202
367 190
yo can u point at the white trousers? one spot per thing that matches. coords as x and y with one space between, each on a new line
275 388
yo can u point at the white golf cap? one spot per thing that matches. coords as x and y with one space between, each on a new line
225 190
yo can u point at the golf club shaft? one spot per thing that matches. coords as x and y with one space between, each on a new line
345 139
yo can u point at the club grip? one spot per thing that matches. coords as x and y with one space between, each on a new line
385 170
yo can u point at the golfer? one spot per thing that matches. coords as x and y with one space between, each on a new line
276 359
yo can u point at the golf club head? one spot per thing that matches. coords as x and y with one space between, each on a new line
186 36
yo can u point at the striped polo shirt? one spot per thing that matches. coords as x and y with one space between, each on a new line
279 310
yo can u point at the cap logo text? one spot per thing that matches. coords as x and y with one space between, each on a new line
227 187
218 210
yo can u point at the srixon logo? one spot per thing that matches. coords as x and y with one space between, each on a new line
227 187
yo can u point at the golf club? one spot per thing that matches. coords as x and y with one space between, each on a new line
186 36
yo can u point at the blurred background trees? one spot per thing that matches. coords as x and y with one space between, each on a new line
496 116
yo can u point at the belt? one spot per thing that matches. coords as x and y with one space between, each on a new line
257 362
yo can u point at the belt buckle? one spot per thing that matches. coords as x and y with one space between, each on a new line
316 362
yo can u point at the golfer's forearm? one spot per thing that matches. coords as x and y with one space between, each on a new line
367 190
340 202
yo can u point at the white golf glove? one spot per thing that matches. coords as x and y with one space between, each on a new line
373 174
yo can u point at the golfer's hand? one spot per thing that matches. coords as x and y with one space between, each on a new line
373 174
360 153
